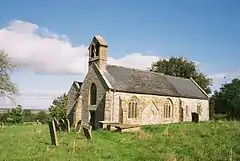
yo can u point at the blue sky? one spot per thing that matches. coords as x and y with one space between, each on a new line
204 31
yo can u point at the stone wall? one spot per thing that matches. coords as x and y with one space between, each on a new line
73 106
150 108
93 76
77 111
71 98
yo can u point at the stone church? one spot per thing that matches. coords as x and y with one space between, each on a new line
117 94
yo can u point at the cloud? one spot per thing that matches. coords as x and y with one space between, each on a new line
134 60
39 50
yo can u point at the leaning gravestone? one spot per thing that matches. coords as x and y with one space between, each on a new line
78 128
2 126
62 124
53 133
87 129
67 123
56 124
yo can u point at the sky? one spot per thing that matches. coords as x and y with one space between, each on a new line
48 40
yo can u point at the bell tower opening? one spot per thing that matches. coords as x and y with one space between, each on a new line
98 53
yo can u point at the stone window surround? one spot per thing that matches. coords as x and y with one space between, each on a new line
133 107
93 94
168 109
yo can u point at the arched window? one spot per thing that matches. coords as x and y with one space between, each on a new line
167 109
93 94
199 109
133 108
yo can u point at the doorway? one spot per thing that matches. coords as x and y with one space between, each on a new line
195 117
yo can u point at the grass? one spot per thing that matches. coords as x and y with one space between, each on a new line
209 141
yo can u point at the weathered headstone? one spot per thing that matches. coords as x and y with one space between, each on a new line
56 124
78 128
87 129
53 133
2 126
67 123
62 124
38 123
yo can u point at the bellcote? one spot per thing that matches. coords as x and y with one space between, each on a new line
98 52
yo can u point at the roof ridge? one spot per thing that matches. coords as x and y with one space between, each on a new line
141 70
137 69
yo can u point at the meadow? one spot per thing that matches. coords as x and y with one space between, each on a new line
208 141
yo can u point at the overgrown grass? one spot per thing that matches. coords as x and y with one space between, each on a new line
212 141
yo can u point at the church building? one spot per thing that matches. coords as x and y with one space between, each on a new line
124 95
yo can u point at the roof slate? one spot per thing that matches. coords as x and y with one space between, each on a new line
140 81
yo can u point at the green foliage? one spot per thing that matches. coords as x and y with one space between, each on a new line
3 117
28 116
59 107
211 141
7 88
19 116
180 67
42 117
13 116
16 115
227 99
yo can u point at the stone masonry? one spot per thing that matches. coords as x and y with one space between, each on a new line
150 108
113 105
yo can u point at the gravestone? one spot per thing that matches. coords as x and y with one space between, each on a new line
2 126
87 129
56 124
62 124
38 122
67 123
78 128
53 133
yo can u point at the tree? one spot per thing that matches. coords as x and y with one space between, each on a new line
59 107
180 67
42 117
227 100
7 88
16 115
28 116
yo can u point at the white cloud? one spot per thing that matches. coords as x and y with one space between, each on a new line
135 60
39 50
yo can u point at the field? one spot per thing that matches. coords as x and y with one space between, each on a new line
210 141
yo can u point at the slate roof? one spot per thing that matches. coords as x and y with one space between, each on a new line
146 82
